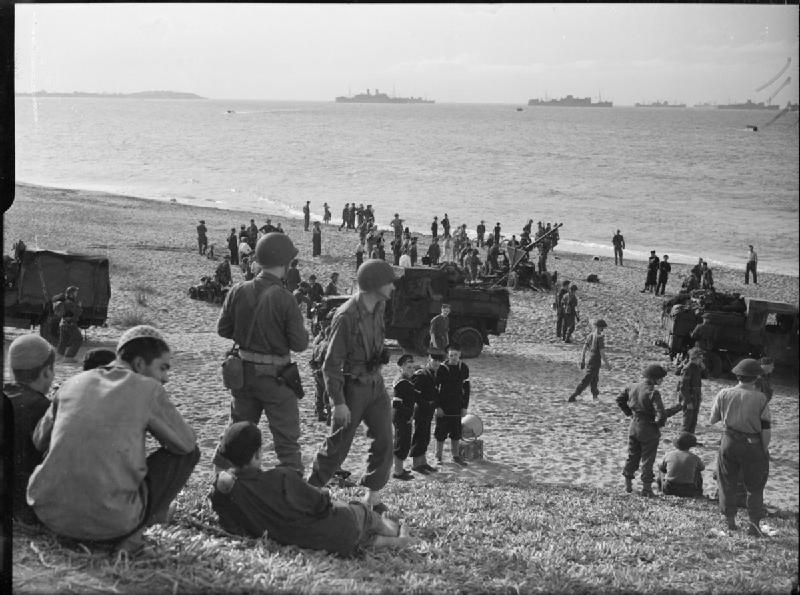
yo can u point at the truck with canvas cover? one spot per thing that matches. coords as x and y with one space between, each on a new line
729 327
475 311
41 275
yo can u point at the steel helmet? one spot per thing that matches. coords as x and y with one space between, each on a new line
374 274
471 426
748 367
275 249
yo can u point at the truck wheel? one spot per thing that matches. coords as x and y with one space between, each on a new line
713 365
421 341
470 340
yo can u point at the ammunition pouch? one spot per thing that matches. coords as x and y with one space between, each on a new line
233 370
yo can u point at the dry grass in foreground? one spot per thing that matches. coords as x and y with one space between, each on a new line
474 537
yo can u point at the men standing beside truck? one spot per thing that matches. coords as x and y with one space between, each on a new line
353 379
263 318
426 382
67 307
440 329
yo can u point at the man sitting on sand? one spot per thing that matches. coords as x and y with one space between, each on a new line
680 471
250 502
95 483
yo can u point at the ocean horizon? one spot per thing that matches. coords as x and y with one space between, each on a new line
687 182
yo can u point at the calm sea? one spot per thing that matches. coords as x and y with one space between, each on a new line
688 182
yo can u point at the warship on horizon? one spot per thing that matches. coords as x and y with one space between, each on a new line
570 101
379 97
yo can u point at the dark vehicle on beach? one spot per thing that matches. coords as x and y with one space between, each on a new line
734 327
40 275
475 311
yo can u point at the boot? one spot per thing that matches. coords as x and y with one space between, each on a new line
628 485
647 490
753 529
439 450
730 522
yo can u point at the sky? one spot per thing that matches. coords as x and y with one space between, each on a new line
453 53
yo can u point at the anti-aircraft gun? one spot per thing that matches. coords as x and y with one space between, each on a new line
522 273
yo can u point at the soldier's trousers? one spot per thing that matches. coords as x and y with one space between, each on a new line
690 418
423 417
559 323
617 255
321 404
368 402
590 379
742 455
643 440
261 392
69 339
401 420
567 326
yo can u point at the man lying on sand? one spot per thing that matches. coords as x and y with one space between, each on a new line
250 502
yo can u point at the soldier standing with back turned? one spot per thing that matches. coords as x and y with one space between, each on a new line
263 318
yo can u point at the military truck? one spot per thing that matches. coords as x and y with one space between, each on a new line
38 276
729 327
475 311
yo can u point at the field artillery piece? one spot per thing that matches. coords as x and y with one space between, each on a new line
522 273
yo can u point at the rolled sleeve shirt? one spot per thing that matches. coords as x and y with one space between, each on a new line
356 337
90 484
279 325
741 409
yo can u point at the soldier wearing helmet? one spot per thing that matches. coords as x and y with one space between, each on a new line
744 449
642 402
264 320
569 305
595 345
352 373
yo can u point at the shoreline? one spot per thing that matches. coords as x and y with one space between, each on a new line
576 249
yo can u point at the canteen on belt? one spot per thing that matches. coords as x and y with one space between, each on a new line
471 426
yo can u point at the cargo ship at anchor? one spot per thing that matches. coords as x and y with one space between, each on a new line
379 97
660 104
749 105
570 101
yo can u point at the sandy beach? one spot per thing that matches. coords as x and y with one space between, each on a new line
519 384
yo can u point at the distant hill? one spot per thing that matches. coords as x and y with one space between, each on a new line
139 95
